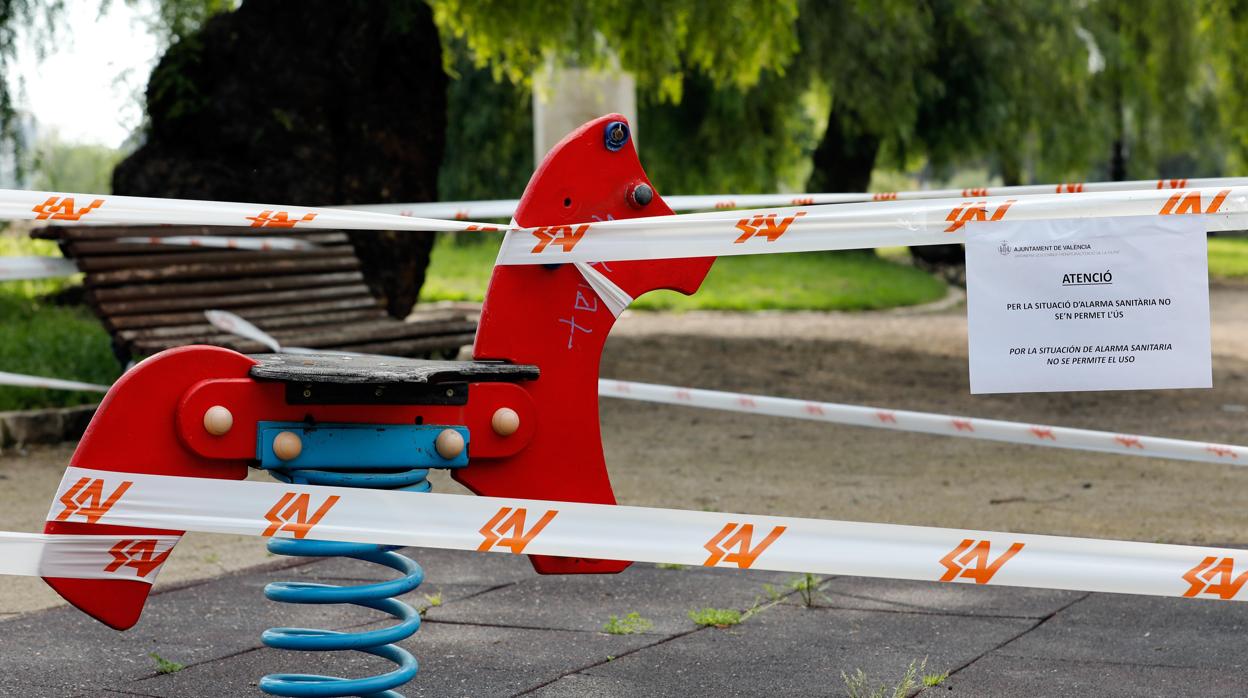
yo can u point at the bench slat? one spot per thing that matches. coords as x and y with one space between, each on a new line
295 297
219 270
249 314
255 283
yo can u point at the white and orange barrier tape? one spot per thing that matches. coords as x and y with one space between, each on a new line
72 209
710 539
849 226
720 233
132 557
835 413
25 268
21 380
506 208
931 423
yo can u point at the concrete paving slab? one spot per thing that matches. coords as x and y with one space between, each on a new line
1145 631
789 650
455 660
865 593
585 602
999 675
64 648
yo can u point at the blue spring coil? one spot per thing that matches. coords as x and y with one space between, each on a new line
377 596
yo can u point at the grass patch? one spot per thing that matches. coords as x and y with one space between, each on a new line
164 666
859 685
854 280
432 601
718 617
1228 257
41 339
630 624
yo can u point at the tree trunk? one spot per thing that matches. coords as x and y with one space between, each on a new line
304 102
845 156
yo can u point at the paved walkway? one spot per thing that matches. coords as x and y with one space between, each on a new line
502 630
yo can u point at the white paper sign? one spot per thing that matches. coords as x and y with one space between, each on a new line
1088 304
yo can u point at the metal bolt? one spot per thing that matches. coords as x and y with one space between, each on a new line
639 195
616 135
307 392
450 392
378 391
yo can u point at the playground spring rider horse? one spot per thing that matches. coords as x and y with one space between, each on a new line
520 420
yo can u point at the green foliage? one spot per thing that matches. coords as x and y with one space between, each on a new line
42 339
730 41
806 585
859 685
717 617
431 601
1228 257
173 20
37 17
630 624
489 135
931 680
164 666
727 138
60 166
855 280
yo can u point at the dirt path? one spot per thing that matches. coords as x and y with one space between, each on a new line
683 457
687 458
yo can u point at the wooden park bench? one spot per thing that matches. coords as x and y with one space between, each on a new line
151 297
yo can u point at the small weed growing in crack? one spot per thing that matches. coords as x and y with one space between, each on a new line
859 685
935 679
630 624
433 601
806 586
718 617
164 666
773 594
670 566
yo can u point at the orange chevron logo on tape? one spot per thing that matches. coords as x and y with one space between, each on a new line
58 209
290 514
495 530
139 554
969 560
1202 577
281 219
740 536
971 212
86 499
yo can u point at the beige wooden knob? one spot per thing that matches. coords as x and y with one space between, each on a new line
505 421
287 445
217 420
449 444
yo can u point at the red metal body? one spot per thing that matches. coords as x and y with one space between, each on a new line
151 421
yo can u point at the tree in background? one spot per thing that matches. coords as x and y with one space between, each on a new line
489 134
709 77
313 102
61 166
